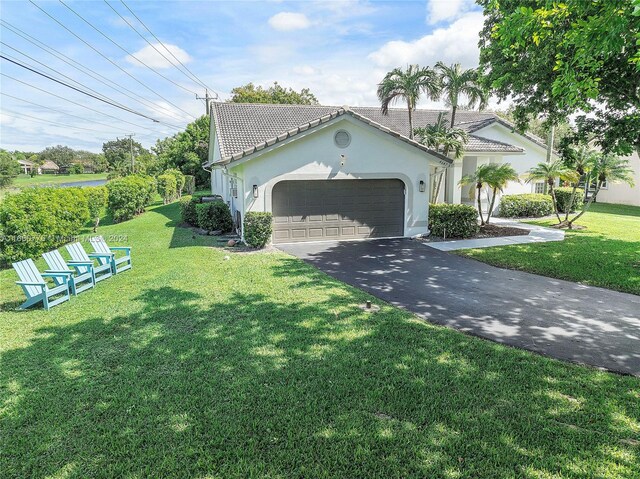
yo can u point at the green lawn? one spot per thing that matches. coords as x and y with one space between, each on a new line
194 365
47 180
606 253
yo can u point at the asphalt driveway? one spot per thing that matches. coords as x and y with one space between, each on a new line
556 318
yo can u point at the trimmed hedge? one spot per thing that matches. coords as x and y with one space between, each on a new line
563 197
453 221
214 215
129 196
97 201
188 210
167 187
257 228
529 205
189 184
40 219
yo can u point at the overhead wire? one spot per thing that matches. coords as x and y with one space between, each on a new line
93 74
108 59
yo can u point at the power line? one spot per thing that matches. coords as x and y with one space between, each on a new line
55 110
55 123
16 62
87 71
185 71
76 103
124 49
108 59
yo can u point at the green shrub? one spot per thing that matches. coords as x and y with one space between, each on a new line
563 197
189 184
167 187
76 169
180 180
529 205
129 196
188 210
97 201
214 215
453 221
40 219
257 228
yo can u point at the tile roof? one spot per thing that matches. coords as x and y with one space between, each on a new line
243 128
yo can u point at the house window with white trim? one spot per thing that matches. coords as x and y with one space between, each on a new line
539 187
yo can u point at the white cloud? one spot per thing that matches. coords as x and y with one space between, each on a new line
288 21
458 42
439 10
151 57
306 70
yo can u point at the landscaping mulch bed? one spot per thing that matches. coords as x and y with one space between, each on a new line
486 231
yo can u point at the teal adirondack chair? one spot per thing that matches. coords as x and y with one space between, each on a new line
100 271
35 287
119 263
78 280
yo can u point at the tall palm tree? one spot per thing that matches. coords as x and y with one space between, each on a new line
550 172
497 180
458 83
408 85
605 167
480 178
444 139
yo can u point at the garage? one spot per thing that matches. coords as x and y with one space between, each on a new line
318 210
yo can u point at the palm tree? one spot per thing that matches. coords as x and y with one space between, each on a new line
480 178
457 83
581 160
550 172
497 181
605 167
408 85
443 139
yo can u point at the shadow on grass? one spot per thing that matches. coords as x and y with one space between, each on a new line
189 386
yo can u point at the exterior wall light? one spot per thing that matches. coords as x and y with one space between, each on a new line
422 186
255 191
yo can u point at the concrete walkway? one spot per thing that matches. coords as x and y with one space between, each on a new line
537 234
557 318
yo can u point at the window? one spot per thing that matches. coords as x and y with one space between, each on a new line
539 187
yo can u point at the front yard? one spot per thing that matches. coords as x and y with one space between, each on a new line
257 365
606 253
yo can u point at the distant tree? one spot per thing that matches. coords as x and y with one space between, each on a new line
538 127
604 167
63 156
550 173
9 169
557 59
443 139
276 93
458 84
408 86
187 150
117 154
36 162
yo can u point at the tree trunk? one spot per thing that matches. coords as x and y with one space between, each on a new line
95 225
438 185
586 205
552 191
410 120
453 114
492 204
480 204
570 205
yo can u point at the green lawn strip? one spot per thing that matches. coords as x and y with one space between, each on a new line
43 180
606 253
193 365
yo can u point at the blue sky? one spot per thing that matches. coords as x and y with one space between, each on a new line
339 49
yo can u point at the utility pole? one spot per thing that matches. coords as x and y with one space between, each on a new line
131 151
207 101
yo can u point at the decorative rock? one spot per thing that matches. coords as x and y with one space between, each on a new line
231 242
227 258
215 233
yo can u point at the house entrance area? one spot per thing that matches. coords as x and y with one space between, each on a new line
318 210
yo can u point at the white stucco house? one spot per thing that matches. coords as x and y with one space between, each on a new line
329 173
623 193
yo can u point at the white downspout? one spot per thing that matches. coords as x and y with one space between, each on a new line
226 173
